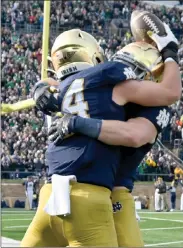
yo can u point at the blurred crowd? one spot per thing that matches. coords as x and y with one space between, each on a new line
159 161
24 133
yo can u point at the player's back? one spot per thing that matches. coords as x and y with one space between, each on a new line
89 94
132 157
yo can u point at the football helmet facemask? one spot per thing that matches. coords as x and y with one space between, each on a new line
73 51
144 59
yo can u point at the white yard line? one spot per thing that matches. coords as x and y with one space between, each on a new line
6 242
162 228
14 219
11 227
177 212
18 211
168 243
32 211
17 214
152 218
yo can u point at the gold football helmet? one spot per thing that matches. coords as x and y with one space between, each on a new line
143 58
73 51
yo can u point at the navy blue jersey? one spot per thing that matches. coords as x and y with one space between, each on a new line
132 157
89 94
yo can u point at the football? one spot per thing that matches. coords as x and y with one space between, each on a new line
143 21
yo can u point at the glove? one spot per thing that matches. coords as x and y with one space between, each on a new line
167 45
46 98
59 129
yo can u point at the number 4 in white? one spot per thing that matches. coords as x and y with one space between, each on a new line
73 101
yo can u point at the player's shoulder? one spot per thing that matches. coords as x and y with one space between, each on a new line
111 72
107 73
116 70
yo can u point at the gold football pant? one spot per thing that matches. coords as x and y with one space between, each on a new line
44 230
91 221
127 228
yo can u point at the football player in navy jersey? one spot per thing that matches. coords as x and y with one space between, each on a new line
82 156
142 127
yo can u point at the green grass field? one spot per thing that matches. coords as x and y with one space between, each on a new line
159 229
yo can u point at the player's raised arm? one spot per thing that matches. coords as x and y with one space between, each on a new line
168 91
147 93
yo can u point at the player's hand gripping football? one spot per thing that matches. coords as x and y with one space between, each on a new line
46 98
167 45
59 129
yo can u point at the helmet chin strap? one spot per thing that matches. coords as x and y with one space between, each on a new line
71 68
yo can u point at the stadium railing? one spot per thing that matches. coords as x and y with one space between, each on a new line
18 175
56 29
149 177
140 177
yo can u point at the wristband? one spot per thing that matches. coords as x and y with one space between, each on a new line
86 126
170 51
167 54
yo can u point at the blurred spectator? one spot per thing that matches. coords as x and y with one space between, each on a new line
24 133
178 172
173 197
160 195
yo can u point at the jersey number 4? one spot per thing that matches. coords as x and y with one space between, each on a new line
73 101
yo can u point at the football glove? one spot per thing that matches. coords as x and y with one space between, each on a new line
167 45
59 129
46 98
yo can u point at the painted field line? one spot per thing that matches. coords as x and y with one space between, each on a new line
178 212
168 243
17 214
152 218
6 242
11 227
161 228
18 211
14 219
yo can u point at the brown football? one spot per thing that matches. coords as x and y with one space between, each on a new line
143 21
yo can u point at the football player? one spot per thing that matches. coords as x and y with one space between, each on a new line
29 190
143 126
71 158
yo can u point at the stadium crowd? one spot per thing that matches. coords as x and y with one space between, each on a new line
24 133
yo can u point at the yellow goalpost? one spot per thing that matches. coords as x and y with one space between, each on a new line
29 103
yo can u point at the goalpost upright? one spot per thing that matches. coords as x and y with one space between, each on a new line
45 38
45 45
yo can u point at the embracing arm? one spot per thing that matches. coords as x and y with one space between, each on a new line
137 131
133 133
